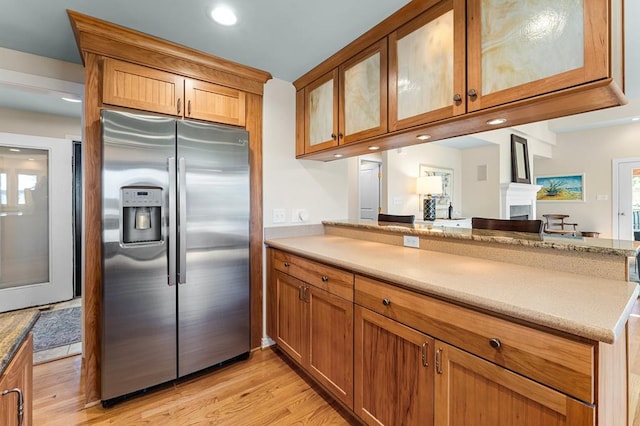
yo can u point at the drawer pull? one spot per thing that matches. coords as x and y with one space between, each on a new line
325 278
495 343
301 292
386 302
286 264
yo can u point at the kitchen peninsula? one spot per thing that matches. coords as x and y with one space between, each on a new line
542 321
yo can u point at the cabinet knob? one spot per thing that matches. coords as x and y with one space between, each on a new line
495 343
457 97
472 93
286 264
325 278
340 135
386 302
333 136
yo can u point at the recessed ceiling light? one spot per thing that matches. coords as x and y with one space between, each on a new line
14 150
423 137
496 121
337 155
635 119
224 16
74 100
374 148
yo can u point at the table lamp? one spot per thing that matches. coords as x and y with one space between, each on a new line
429 185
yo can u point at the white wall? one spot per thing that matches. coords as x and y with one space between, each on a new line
590 152
36 124
401 171
320 188
481 198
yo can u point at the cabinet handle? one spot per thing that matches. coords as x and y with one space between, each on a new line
189 108
495 343
425 346
439 361
457 97
301 292
179 105
305 294
324 278
472 93
386 302
286 264
20 403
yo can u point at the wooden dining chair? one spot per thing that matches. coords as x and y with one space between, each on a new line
513 225
382 217
555 224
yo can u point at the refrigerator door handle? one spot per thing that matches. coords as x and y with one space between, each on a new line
172 221
182 221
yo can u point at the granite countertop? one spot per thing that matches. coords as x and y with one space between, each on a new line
581 244
14 329
593 308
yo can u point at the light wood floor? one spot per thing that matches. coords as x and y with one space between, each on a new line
262 391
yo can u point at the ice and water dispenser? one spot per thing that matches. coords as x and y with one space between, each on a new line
141 214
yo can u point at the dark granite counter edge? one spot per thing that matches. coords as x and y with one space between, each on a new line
7 357
456 234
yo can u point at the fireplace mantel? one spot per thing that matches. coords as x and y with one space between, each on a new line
518 194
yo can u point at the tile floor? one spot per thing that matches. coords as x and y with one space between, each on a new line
61 351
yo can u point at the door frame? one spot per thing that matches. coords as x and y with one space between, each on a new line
615 198
372 161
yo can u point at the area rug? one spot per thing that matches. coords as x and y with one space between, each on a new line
55 328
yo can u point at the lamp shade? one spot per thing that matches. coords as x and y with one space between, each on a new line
429 185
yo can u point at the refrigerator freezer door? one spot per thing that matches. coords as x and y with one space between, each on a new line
213 303
139 305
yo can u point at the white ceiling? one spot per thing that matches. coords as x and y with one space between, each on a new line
284 37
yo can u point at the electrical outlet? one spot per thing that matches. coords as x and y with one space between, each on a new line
279 215
411 241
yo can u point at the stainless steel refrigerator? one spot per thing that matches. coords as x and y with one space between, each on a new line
175 242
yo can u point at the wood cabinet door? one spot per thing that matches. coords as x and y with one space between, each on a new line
363 95
427 68
472 391
18 375
134 86
393 372
291 317
517 50
321 113
212 102
330 334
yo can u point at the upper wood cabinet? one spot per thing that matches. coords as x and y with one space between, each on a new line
347 104
134 86
454 65
427 67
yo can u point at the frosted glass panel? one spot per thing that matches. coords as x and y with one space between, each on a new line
24 216
362 95
524 41
321 113
425 68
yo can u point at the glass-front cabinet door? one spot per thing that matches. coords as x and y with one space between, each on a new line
363 95
521 49
427 67
321 113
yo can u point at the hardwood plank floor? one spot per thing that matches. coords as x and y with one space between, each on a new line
264 390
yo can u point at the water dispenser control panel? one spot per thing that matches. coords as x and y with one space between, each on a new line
141 197
141 220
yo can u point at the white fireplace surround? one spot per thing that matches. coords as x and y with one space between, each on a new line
518 194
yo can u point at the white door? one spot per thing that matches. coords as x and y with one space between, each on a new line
369 190
628 198
35 221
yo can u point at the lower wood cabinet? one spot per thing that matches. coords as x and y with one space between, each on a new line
315 328
16 388
394 372
472 391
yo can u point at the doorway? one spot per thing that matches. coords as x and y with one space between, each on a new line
626 218
36 259
370 189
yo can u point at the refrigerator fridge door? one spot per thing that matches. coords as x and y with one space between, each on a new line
139 305
213 266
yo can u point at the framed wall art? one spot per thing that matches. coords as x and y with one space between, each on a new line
569 187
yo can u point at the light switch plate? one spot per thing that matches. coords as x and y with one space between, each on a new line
411 241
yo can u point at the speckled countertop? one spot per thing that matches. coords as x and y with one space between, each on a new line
580 244
14 329
594 308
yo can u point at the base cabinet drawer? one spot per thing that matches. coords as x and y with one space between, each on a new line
560 363
472 391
